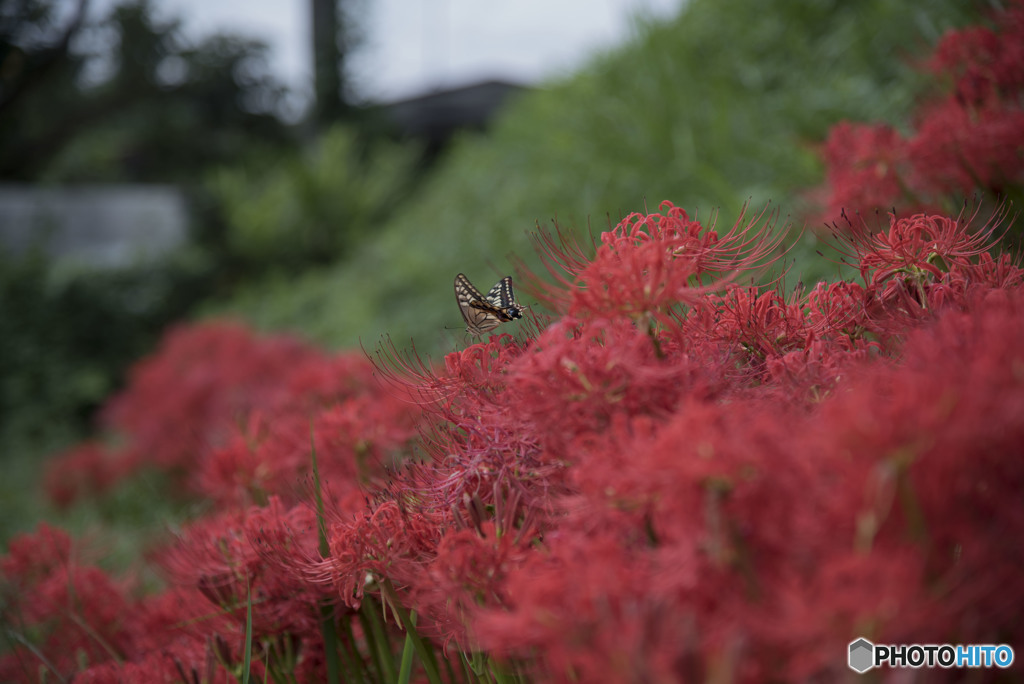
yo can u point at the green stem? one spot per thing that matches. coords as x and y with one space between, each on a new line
247 658
327 626
350 652
330 632
406 670
409 624
376 640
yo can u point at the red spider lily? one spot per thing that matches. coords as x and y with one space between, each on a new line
235 474
922 263
477 368
836 311
354 439
218 372
31 557
85 469
789 531
651 263
967 143
736 489
752 324
471 435
181 623
389 542
473 370
1002 273
599 625
580 374
59 610
467 571
921 243
957 480
231 560
477 461
236 391
866 167
986 63
817 368
956 150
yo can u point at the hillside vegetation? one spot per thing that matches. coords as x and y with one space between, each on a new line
724 105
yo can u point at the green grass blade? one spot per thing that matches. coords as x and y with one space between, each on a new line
377 640
247 658
321 520
327 625
406 670
409 624
350 654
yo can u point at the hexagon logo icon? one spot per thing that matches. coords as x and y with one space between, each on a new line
862 654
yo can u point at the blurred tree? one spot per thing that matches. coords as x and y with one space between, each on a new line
121 97
327 60
126 98
312 208
333 39
37 66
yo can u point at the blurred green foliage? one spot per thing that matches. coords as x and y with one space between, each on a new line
310 207
68 335
117 530
722 106
117 95
66 340
120 94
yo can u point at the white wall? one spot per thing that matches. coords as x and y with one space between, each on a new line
95 225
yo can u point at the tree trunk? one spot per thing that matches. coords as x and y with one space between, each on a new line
328 60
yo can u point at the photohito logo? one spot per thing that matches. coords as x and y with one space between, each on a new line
864 655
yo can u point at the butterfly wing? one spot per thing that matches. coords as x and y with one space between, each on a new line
480 315
503 298
500 296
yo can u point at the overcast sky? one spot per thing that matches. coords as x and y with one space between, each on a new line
412 46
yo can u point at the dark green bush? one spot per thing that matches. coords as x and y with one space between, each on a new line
68 337
287 212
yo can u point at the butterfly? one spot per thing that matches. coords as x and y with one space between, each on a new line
484 313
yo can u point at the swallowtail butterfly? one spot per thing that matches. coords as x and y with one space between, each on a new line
484 313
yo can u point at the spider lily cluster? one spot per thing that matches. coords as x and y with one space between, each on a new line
648 488
677 477
964 144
